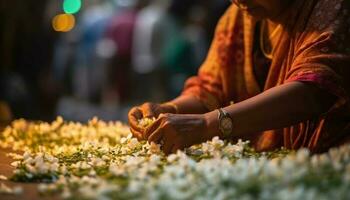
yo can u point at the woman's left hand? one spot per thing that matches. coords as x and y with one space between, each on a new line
178 131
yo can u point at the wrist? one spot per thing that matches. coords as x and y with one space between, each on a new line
212 125
170 107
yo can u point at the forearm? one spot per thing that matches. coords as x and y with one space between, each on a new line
278 107
188 105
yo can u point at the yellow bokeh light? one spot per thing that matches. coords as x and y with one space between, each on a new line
63 22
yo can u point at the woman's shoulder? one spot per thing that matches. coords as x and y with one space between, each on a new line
329 14
324 23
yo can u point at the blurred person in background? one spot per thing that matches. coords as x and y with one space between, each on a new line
82 59
120 31
284 64
180 52
166 37
44 72
111 53
79 61
92 54
95 59
153 29
27 83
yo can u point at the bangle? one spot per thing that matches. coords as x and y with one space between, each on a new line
174 106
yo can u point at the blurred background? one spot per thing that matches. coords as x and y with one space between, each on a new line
85 58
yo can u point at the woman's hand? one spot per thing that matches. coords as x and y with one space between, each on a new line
146 110
174 131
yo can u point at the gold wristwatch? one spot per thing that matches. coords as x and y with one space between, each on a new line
225 123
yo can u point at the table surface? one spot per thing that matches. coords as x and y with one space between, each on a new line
30 191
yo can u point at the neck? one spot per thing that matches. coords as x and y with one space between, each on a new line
271 25
269 35
281 16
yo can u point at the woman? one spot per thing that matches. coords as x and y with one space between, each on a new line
291 90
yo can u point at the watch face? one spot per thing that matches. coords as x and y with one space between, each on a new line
226 124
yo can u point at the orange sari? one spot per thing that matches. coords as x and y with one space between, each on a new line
314 47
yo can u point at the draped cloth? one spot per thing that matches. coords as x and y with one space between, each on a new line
314 47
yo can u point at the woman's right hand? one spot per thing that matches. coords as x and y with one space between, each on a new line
147 110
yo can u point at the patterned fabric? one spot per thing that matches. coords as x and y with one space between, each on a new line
314 47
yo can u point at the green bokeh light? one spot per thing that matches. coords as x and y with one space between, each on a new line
71 6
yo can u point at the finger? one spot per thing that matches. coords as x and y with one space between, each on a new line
135 114
153 131
167 147
148 110
156 136
136 134
176 147
168 140
153 127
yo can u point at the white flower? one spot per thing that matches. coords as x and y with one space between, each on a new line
42 168
302 155
154 159
42 188
4 189
98 162
129 136
215 169
54 167
89 180
29 160
133 143
207 148
92 172
31 169
63 169
105 158
87 191
39 158
17 190
116 169
132 161
337 165
145 122
217 143
66 194
235 150
15 156
134 187
154 148
15 163
123 140
81 165
171 158
2 177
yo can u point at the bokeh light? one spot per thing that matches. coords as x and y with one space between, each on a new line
71 6
63 22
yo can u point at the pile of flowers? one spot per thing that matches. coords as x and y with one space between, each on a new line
100 160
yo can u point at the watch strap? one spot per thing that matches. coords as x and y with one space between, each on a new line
222 114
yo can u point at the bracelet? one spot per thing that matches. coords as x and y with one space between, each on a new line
174 106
